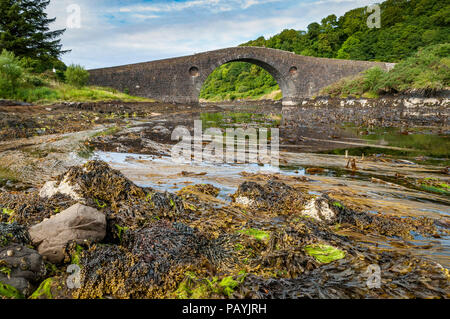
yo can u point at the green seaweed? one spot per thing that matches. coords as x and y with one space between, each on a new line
76 256
102 205
337 204
436 189
44 290
120 231
195 288
10 291
256 233
6 271
324 253
7 211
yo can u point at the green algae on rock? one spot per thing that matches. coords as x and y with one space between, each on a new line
324 253
44 290
256 233
9 292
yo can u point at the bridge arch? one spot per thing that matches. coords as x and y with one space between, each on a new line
285 83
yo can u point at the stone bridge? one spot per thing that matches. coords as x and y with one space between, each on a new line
180 79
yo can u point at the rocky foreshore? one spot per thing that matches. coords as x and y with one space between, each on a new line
272 240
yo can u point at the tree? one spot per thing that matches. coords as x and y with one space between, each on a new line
77 76
24 30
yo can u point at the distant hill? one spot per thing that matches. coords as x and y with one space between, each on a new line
406 26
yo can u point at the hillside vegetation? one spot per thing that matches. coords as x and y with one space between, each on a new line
428 70
406 26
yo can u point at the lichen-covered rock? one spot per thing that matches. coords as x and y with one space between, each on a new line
77 223
51 188
321 210
21 267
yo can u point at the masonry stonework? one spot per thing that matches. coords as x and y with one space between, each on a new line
180 79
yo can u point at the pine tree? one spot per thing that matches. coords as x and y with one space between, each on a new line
24 30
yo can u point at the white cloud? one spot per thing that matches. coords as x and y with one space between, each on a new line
114 34
212 5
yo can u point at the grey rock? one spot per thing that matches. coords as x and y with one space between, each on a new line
77 223
22 268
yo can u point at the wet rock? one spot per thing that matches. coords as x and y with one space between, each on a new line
53 288
21 267
77 223
161 129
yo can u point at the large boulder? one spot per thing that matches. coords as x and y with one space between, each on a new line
77 223
20 267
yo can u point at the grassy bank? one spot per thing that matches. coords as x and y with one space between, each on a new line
59 92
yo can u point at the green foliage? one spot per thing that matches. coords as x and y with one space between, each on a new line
10 73
24 30
238 80
428 69
324 253
77 76
17 82
406 25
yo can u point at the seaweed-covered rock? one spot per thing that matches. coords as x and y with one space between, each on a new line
399 277
150 262
20 267
77 223
206 189
125 204
13 233
30 209
276 196
96 180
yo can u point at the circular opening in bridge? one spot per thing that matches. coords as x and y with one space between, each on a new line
194 71
293 70
240 81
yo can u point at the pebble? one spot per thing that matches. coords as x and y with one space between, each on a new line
10 253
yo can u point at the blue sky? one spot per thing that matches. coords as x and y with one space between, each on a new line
116 32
